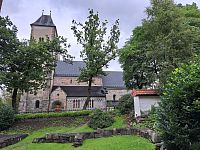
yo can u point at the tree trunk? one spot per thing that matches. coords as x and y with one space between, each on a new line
14 99
88 95
49 101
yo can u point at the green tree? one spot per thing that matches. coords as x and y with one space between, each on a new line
26 66
97 52
164 41
125 105
134 61
179 109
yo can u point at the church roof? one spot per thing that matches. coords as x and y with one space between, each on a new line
112 79
69 69
81 91
44 20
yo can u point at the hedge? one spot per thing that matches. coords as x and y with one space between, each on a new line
53 114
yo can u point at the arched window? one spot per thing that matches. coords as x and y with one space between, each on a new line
114 97
37 104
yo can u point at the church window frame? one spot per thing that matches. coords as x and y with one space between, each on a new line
76 103
37 104
91 104
114 97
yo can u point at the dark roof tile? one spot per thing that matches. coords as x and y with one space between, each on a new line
112 79
68 69
44 20
81 91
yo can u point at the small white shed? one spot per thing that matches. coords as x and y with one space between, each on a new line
144 99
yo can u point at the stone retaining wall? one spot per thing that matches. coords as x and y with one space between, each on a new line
6 140
78 138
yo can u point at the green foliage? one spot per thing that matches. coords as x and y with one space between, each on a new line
100 119
166 39
125 104
97 52
149 120
119 122
7 117
179 111
52 114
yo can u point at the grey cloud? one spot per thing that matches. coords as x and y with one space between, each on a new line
130 13
13 6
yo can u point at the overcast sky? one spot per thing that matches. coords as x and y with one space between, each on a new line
130 13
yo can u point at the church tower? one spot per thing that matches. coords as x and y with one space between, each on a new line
43 28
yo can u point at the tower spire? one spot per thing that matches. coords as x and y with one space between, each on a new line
50 12
42 12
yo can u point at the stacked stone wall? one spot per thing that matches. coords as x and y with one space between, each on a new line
78 138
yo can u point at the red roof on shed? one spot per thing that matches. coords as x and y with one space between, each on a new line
139 92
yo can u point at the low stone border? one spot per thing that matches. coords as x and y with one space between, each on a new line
6 140
78 138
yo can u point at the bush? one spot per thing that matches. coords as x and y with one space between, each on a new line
179 111
125 104
100 119
149 120
53 114
7 117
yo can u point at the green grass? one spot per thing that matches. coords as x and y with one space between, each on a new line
110 143
119 123
126 142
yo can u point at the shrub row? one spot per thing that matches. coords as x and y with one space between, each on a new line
53 114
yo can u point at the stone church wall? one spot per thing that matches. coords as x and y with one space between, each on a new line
64 81
98 102
58 95
41 31
118 92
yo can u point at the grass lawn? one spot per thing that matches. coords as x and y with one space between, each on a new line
109 143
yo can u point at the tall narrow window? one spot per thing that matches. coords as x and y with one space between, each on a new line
37 104
91 104
76 103
114 97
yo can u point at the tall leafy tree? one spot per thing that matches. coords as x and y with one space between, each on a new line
25 66
178 114
97 52
165 40
133 58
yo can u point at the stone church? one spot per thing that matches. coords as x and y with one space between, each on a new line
63 88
